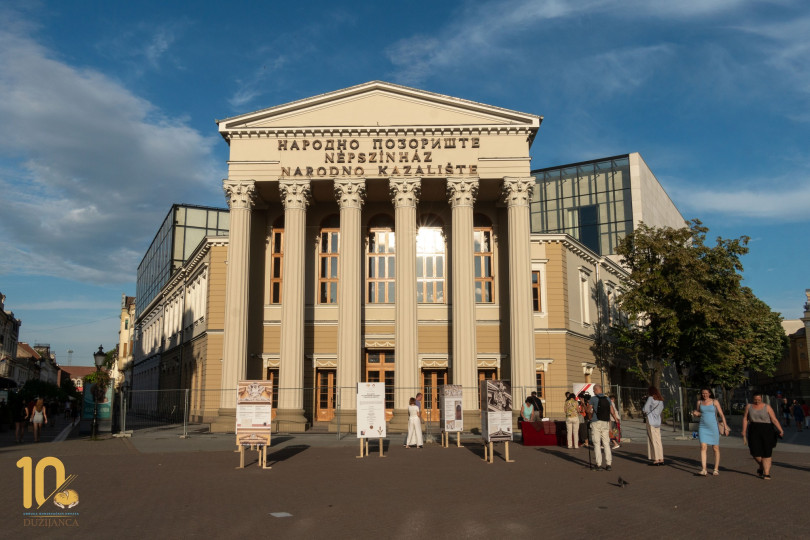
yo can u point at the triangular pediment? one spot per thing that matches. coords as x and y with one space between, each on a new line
378 104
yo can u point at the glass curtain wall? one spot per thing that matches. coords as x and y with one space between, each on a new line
590 201
178 237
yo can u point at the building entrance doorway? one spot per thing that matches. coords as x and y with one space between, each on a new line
325 402
485 374
431 380
380 367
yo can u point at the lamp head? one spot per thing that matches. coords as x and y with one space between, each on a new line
99 356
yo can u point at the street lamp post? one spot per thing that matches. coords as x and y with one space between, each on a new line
98 357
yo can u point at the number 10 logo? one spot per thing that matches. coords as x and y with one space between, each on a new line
35 479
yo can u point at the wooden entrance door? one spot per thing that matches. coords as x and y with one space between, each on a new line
431 380
380 367
325 403
485 374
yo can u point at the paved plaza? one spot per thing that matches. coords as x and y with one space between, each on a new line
159 485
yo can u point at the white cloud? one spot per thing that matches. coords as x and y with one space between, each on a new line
255 85
88 169
778 202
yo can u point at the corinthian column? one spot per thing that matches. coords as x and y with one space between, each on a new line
350 194
462 192
405 195
516 194
241 196
295 198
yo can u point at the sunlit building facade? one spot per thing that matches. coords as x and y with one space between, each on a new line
384 233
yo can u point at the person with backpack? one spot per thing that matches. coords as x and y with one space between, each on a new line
600 411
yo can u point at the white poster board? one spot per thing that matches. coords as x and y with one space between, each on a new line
496 410
450 406
254 411
371 410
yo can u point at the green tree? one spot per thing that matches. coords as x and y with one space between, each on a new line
750 338
677 297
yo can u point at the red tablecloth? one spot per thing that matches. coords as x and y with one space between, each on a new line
548 433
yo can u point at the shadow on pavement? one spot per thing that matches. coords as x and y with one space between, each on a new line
286 453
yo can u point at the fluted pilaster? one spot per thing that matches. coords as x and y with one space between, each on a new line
241 197
350 195
516 194
295 196
461 193
405 195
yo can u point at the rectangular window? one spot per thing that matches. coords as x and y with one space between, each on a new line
328 268
539 384
276 265
380 268
585 296
482 239
536 304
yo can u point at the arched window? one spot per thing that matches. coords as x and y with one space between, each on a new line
430 261
380 260
328 259
484 282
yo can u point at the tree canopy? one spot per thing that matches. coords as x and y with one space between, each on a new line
686 308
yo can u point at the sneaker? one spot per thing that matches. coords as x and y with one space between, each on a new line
617 446
608 468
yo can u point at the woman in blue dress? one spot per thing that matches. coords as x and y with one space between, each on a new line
709 433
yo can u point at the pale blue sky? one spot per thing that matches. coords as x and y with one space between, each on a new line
108 110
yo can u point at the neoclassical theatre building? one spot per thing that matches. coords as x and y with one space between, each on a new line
385 233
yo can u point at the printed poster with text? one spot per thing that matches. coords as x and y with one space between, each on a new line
370 410
450 405
254 412
496 410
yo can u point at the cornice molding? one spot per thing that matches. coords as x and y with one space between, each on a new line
398 131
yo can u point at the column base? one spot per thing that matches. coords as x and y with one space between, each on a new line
290 421
472 421
224 421
398 422
348 422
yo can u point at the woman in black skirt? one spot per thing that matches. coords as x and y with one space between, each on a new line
760 425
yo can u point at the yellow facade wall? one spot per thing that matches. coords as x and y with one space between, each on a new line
320 339
216 287
434 339
557 286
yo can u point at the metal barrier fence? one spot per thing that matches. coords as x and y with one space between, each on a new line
141 409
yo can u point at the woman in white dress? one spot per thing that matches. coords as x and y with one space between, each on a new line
414 425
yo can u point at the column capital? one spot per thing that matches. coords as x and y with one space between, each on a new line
350 193
404 191
294 193
240 193
517 191
461 191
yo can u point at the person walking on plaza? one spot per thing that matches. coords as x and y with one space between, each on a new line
19 413
39 416
572 417
785 406
601 410
798 415
616 428
759 428
806 411
707 410
652 412
414 425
